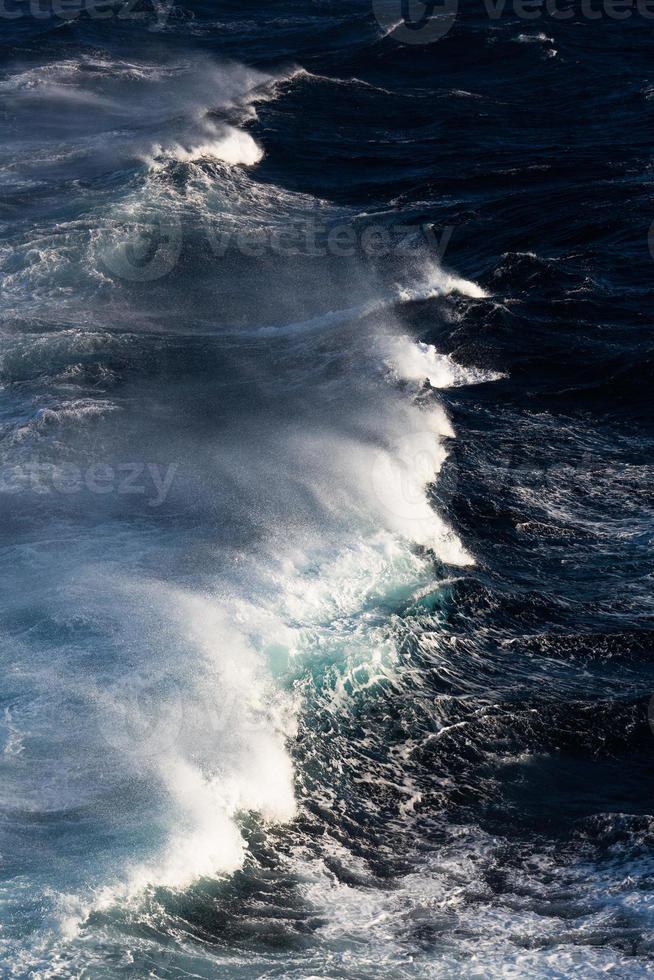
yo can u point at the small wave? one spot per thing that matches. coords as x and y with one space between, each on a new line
334 80
419 361
441 283
534 38
72 412
231 145
435 283
539 38
149 110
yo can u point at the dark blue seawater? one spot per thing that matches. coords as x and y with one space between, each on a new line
326 368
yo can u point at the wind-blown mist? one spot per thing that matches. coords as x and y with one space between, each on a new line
294 467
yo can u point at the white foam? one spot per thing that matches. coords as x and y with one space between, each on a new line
435 281
534 38
432 283
417 361
231 145
222 761
201 718
74 412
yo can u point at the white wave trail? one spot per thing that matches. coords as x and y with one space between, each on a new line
202 719
417 362
251 770
226 143
433 283
135 111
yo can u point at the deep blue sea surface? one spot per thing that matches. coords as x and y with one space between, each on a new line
326 507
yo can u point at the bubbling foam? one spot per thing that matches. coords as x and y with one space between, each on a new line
417 362
218 764
435 281
232 146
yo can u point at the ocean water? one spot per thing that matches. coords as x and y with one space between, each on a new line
326 491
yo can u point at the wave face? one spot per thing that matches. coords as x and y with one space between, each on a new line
326 496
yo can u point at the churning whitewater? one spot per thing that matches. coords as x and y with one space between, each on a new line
310 452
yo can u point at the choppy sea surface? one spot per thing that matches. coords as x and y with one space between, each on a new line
326 375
